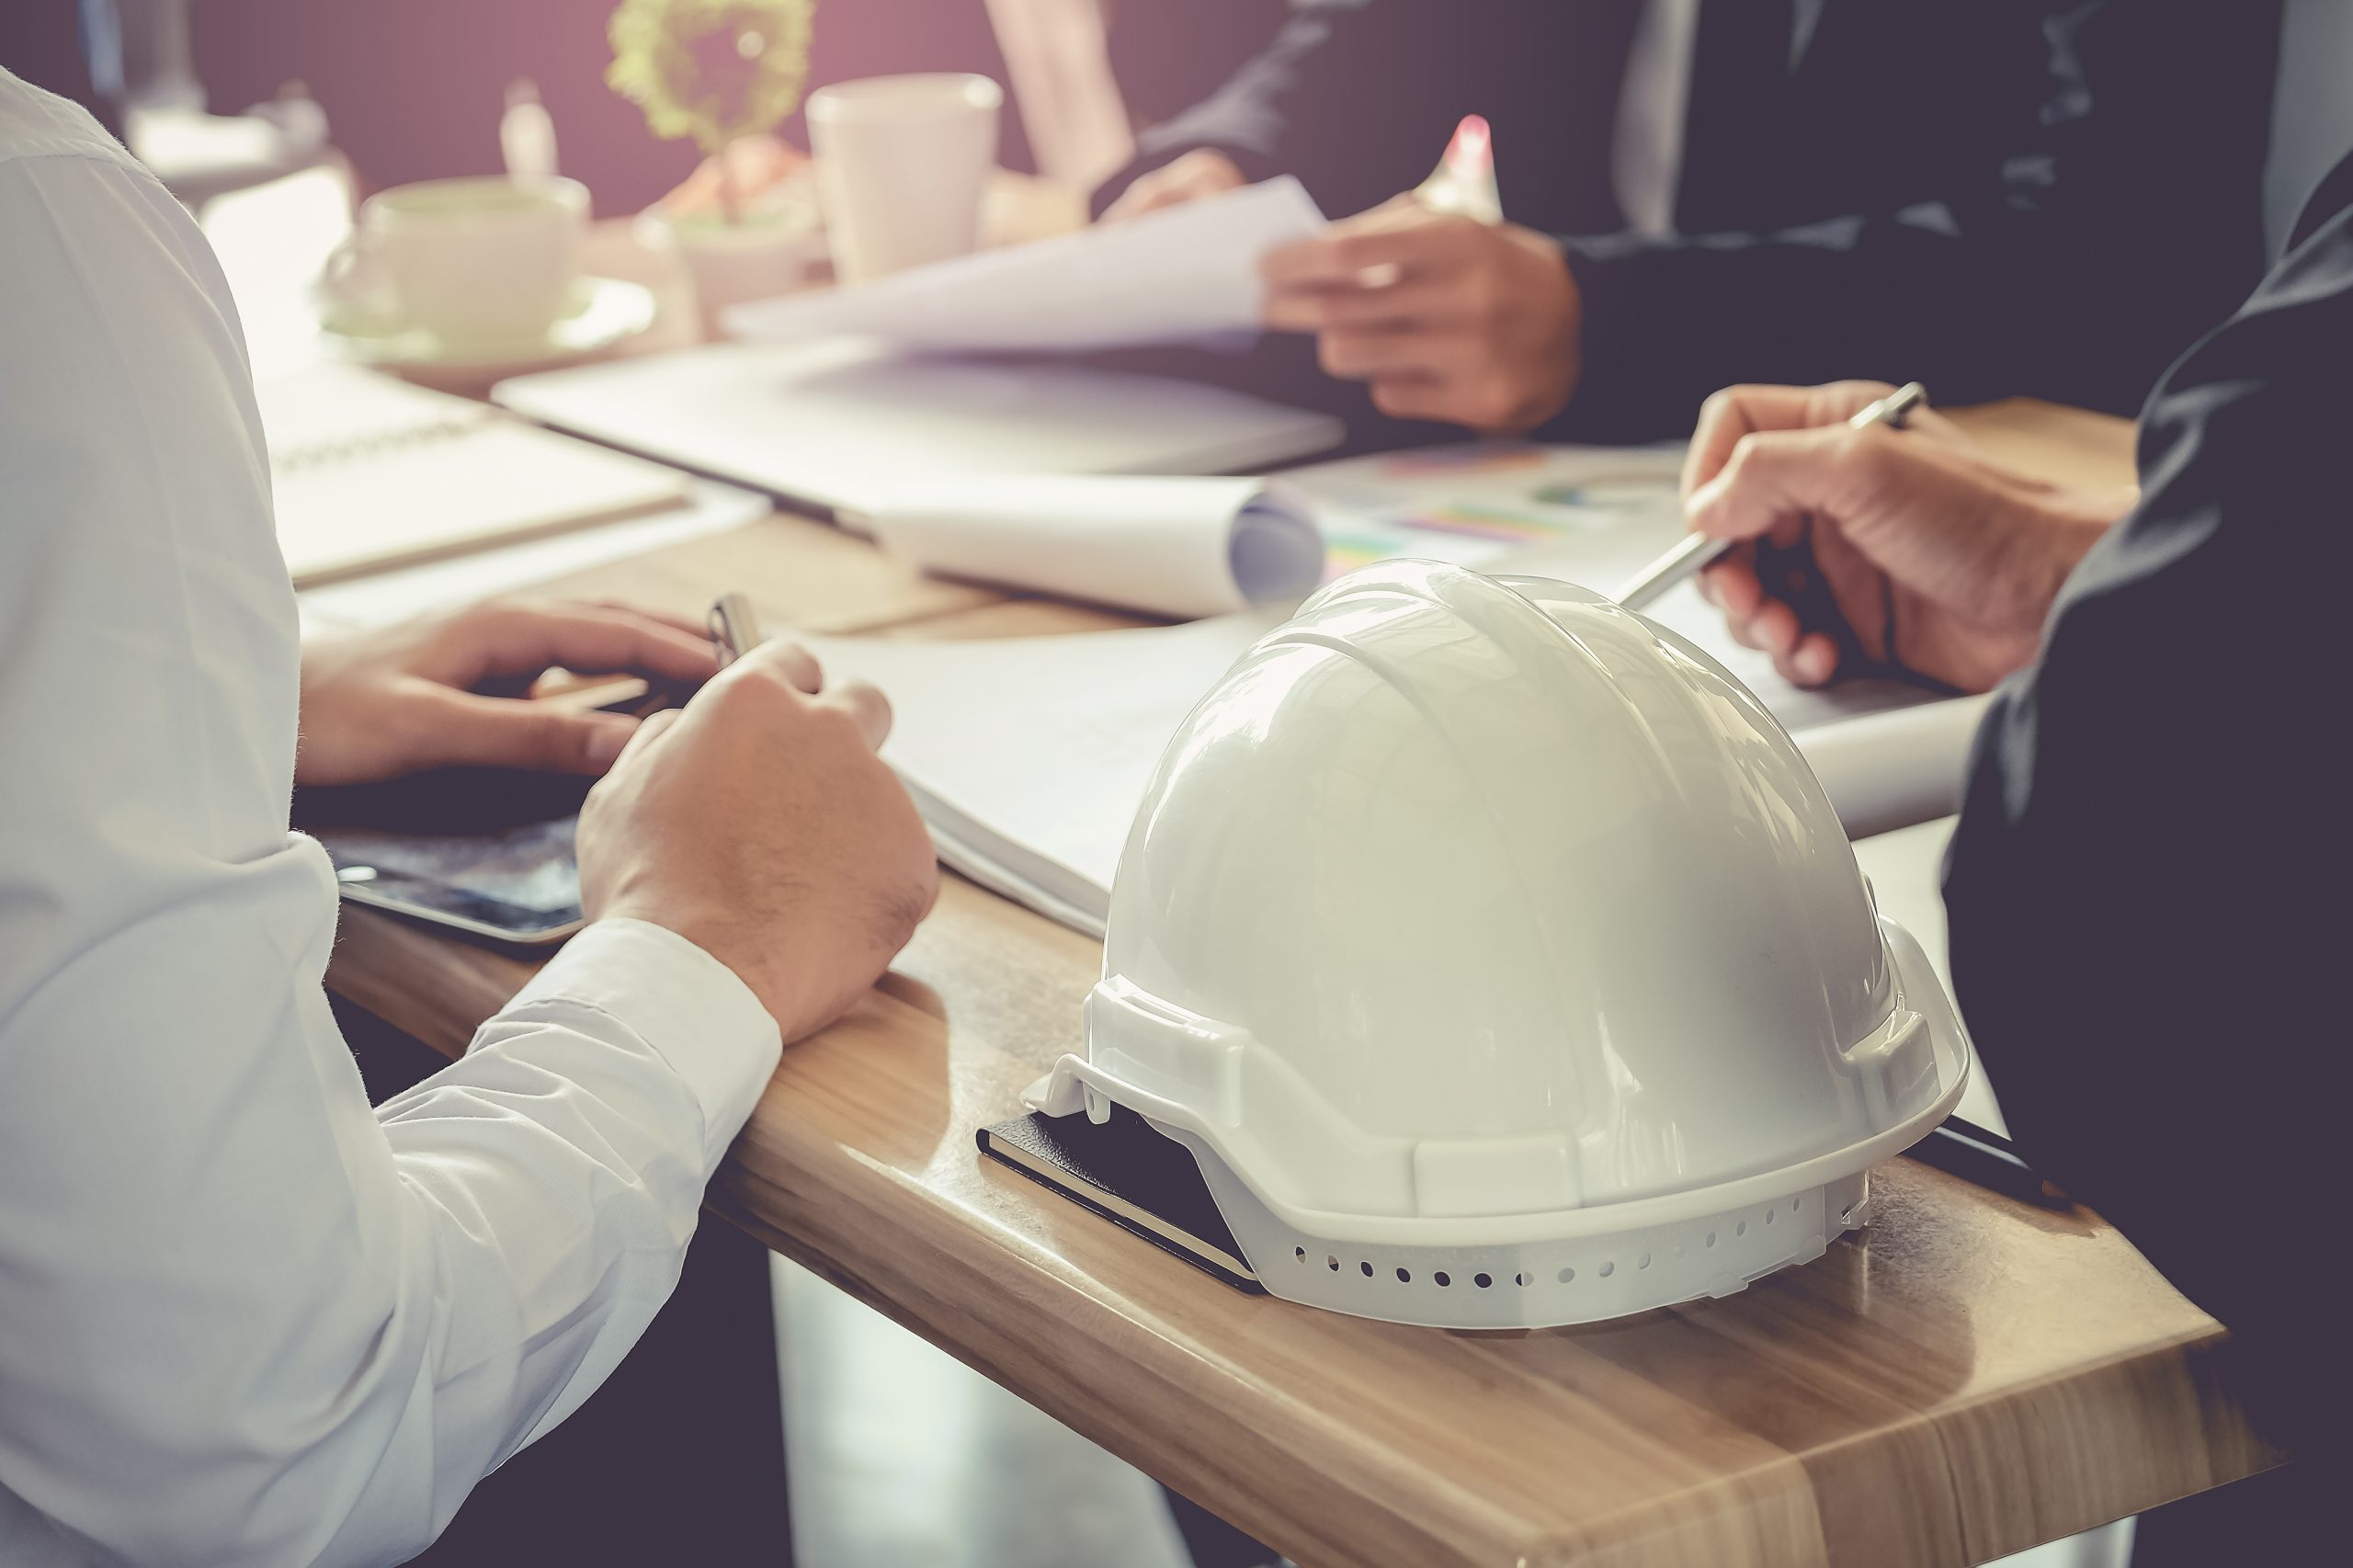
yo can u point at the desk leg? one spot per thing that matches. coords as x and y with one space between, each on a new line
679 1456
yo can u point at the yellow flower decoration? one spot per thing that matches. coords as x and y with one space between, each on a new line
714 70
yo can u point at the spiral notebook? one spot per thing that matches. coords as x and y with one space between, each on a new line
369 473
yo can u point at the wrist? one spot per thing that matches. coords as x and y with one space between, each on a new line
743 946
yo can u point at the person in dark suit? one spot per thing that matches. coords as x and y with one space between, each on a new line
2044 197
2143 888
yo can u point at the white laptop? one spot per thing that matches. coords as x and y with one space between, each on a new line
823 424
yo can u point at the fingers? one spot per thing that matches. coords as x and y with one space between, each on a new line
645 612
795 664
1202 172
867 706
797 667
1775 477
464 728
1370 355
649 730
1361 308
522 639
1739 411
1394 243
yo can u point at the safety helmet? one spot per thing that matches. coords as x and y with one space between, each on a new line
1502 963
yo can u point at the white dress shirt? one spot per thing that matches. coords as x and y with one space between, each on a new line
1646 147
244 1318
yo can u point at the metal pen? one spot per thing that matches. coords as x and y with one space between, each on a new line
1697 553
734 626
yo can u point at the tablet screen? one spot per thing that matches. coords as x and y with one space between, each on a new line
521 883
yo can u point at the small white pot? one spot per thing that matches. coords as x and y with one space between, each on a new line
731 264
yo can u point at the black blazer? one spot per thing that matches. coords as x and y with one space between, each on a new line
2147 888
1995 197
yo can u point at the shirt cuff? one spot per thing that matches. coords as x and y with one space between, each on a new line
689 1008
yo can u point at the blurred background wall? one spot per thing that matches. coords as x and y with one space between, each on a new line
414 88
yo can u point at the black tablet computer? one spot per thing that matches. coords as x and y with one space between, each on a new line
518 886
485 851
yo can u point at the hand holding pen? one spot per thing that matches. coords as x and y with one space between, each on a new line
1860 548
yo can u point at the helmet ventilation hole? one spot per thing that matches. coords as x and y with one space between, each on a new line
1741 1229
1332 1262
1404 1277
1367 1269
1483 1280
1299 1253
1442 1280
1643 1261
1607 1269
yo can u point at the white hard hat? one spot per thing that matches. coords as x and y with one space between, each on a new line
1503 963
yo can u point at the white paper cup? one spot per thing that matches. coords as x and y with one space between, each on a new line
902 164
469 260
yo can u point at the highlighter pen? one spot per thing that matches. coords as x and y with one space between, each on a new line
1464 180
1697 553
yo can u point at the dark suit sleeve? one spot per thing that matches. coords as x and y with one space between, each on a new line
2088 206
2146 891
1250 117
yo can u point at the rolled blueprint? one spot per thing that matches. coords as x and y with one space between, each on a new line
1176 547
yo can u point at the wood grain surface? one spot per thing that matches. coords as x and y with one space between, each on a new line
1969 1378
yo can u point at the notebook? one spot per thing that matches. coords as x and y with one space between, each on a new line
1143 1182
370 472
830 426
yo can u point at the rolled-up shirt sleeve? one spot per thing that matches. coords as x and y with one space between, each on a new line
247 1317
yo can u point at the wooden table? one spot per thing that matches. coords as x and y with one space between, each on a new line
1970 1377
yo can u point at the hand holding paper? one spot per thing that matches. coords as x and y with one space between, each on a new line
1178 547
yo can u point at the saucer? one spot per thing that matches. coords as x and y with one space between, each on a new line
604 312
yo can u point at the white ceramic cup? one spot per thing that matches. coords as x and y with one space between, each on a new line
471 260
902 164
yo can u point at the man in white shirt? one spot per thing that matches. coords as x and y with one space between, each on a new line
243 1317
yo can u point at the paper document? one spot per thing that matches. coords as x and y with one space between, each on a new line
1178 547
1028 756
834 423
1180 274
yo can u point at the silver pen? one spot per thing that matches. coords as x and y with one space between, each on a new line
1697 553
734 626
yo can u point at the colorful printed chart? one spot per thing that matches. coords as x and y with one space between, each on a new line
1478 503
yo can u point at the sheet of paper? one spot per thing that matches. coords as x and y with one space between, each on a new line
1180 274
1593 515
1178 547
1029 755
1476 504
